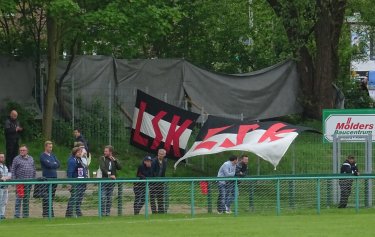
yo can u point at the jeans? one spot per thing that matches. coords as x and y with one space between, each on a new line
75 200
222 197
229 193
107 190
3 201
24 201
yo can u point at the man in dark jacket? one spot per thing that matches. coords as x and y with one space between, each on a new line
144 171
109 166
79 138
49 164
12 131
349 167
159 166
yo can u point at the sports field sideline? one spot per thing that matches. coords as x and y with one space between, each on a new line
329 224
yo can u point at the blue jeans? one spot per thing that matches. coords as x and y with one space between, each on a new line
24 201
107 190
222 197
229 197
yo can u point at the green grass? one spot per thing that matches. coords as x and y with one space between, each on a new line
328 224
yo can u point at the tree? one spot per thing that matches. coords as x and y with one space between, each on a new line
314 29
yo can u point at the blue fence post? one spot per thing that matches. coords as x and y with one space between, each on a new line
146 199
356 195
318 196
209 197
50 201
119 199
100 199
278 208
192 204
236 197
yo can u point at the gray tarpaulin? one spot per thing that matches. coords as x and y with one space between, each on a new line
267 93
17 79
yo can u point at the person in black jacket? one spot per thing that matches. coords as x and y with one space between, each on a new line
144 171
349 167
12 131
159 166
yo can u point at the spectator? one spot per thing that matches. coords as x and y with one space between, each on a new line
159 166
86 159
109 166
144 171
4 176
228 169
79 138
49 164
241 167
76 169
23 167
12 131
349 167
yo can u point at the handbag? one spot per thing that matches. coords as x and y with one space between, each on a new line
99 173
20 189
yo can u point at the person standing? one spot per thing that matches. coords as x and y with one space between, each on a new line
109 166
241 167
349 167
157 189
80 138
4 176
12 130
228 169
144 171
49 164
76 169
23 167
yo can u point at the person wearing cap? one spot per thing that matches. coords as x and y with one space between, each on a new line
108 165
349 167
143 172
228 169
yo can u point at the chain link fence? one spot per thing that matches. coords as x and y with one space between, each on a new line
257 195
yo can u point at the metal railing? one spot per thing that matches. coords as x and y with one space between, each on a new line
190 196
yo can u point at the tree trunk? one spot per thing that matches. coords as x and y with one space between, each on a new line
53 41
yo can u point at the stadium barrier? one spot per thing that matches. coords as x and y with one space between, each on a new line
189 196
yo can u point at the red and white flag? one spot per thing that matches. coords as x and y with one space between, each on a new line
268 140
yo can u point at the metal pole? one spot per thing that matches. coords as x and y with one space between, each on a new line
119 199
192 199
50 201
356 196
209 197
100 200
146 199
110 112
278 208
73 102
318 196
236 198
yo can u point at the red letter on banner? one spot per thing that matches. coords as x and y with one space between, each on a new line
158 135
242 131
137 133
209 144
273 131
174 135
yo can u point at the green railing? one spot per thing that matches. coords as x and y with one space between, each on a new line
198 195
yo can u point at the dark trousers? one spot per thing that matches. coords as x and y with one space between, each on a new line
345 190
24 202
75 200
11 151
157 194
139 196
107 190
45 200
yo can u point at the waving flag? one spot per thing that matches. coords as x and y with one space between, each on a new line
268 140
157 124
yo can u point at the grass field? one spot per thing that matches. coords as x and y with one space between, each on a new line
329 224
